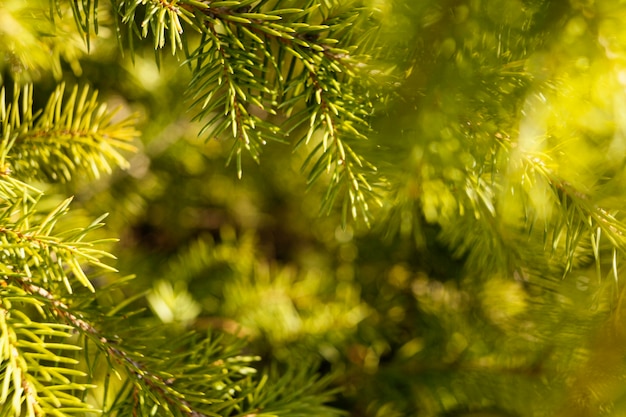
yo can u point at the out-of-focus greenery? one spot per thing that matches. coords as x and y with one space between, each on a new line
490 280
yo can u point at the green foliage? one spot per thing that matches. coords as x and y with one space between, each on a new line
63 138
42 265
269 70
467 156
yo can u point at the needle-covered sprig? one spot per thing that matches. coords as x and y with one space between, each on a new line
273 70
73 132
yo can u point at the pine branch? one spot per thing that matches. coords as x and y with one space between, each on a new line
37 374
30 249
69 134
37 361
260 67
233 83
151 388
194 376
333 112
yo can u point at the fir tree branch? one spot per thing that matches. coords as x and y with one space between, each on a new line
327 113
37 365
231 86
257 63
195 376
310 74
67 135
151 387
31 246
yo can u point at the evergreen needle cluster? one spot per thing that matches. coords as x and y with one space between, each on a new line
274 70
